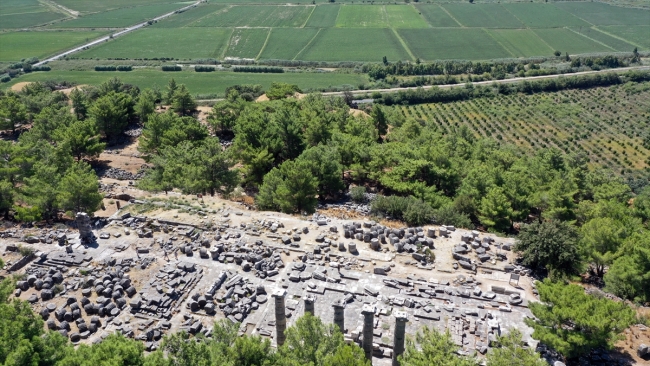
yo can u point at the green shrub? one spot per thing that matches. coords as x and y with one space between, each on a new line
259 69
358 194
204 68
171 68
449 215
124 68
418 213
105 68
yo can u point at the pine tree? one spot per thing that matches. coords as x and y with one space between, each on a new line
183 102
79 189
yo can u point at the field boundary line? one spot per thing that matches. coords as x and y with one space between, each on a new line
542 39
499 43
597 41
421 16
225 49
584 20
520 21
225 9
309 17
117 34
451 16
406 48
59 8
617 37
308 43
266 41
337 16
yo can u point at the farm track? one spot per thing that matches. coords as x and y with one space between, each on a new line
120 33
449 86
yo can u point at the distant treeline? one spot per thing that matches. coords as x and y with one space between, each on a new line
171 68
259 69
113 68
437 95
204 68
496 68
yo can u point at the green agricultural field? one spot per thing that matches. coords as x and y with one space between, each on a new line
616 44
26 20
565 40
605 14
362 16
286 43
119 18
400 31
538 15
257 16
247 42
268 2
483 15
188 16
380 16
436 16
521 42
200 82
324 16
605 124
93 6
450 43
180 43
25 13
637 35
404 16
20 45
337 44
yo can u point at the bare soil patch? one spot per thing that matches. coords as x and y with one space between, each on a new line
19 86
358 113
626 348
262 98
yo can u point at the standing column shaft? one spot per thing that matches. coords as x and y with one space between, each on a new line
368 325
280 315
309 304
400 330
339 315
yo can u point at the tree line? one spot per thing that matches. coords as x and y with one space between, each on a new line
497 68
437 95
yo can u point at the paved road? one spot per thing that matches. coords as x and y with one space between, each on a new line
104 39
490 82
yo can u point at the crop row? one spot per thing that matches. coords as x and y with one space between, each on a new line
605 124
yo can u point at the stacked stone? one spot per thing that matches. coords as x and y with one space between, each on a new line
368 312
401 318
238 301
280 315
339 315
83 224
